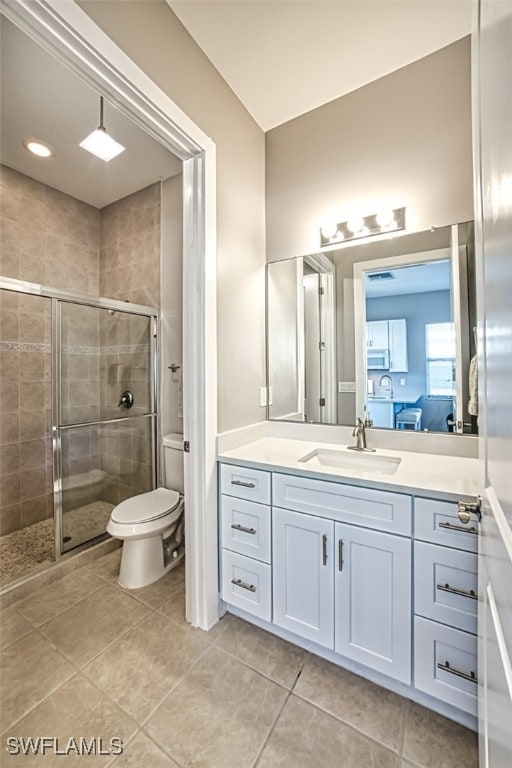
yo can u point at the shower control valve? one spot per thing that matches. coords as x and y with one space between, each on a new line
126 400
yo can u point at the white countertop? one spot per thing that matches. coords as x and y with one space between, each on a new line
422 473
409 396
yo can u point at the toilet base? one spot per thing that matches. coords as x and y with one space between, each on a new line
142 562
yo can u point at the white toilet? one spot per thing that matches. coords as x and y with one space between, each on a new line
151 524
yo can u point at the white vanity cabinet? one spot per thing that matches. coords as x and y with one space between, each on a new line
446 604
373 578
246 576
337 578
303 582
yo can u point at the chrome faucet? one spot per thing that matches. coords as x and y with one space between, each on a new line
387 381
360 435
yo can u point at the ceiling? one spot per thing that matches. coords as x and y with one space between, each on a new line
43 99
417 278
285 57
310 52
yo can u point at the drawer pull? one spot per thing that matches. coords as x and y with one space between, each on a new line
460 528
453 671
324 549
242 528
244 485
454 591
243 584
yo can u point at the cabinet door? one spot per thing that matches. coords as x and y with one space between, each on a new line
303 584
382 414
398 346
373 600
377 334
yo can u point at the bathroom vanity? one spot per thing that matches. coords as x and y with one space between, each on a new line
360 558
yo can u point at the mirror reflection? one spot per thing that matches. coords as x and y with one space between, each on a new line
381 329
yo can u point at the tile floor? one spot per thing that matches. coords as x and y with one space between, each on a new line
82 657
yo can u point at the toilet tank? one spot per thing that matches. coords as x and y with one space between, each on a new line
173 462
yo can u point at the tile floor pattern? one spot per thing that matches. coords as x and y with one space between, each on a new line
82 657
27 550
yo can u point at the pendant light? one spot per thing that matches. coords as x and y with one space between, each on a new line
99 143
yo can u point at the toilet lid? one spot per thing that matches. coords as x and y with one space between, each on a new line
146 506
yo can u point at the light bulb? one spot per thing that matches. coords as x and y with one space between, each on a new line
385 219
38 147
329 230
355 225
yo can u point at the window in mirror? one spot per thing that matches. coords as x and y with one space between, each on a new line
440 363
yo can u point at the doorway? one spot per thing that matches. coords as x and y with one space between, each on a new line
69 34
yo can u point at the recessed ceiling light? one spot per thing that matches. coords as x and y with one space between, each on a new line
38 147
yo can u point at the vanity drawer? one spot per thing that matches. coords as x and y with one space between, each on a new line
246 583
445 585
445 664
245 483
367 507
437 521
246 527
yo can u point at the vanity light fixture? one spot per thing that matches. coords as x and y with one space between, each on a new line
375 224
38 147
99 143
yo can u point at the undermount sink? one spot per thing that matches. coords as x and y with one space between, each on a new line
345 459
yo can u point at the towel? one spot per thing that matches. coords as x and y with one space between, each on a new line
473 387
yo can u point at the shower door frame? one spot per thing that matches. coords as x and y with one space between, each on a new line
67 32
58 297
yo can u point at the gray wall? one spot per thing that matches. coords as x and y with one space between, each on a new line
404 139
154 38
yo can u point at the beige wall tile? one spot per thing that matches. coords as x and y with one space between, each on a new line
9 428
10 518
9 460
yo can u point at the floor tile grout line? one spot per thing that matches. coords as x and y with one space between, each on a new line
59 613
407 707
39 702
74 663
189 669
271 730
114 757
348 725
254 669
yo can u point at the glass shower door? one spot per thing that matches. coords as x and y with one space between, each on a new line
104 415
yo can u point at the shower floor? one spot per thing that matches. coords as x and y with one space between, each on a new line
32 548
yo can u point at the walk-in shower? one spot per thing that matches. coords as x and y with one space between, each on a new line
78 419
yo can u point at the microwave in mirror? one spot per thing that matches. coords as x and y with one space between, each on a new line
377 359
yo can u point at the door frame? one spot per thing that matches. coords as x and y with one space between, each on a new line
68 33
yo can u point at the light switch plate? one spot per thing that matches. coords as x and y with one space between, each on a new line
346 386
263 397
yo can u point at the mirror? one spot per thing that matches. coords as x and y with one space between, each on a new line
382 329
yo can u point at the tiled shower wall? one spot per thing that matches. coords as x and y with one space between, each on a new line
129 271
51 238
46 237
130 248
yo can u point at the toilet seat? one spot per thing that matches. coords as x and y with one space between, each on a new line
146 507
